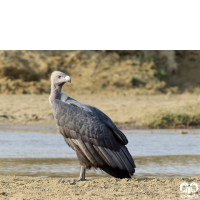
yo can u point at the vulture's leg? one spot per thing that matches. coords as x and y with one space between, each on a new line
82 174
81 177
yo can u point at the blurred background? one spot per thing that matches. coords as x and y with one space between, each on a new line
97 72
154 89
153 96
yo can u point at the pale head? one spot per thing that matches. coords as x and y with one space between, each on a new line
59 78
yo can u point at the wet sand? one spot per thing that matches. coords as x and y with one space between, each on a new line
13 188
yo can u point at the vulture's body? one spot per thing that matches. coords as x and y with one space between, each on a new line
95 138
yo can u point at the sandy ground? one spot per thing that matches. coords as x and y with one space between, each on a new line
123 110
24 188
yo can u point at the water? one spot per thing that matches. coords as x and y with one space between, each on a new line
156 153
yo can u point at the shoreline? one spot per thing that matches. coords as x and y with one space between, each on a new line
126 130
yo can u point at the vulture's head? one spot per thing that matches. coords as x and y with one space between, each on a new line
59 78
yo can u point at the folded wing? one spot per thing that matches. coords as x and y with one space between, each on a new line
98 113
94 142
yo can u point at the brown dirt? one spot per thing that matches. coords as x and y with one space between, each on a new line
101 72
141 110
25 188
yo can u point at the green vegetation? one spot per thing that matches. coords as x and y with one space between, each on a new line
166 119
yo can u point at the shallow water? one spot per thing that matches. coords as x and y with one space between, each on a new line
156 153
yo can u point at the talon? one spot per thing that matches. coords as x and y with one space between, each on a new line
60 180
79 179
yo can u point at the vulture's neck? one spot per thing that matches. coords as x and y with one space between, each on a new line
55 93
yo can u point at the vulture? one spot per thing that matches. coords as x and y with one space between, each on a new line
90 133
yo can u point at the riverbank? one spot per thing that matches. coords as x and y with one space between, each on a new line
147 111
18 188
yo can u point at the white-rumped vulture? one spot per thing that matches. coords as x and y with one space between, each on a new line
90 133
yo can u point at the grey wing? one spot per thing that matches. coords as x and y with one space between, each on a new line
93 140
98 113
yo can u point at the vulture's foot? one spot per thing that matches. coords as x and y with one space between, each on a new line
63 180
81 177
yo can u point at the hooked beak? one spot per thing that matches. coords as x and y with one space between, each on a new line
67 79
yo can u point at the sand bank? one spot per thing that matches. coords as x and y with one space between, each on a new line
16 187
155 111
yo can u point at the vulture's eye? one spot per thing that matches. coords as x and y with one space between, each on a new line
59 76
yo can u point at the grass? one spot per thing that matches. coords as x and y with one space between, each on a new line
168 119
175 111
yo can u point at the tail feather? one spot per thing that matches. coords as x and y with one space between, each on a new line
117 173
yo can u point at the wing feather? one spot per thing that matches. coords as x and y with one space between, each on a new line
95 154
102 155
125 162
116 159
87 153
108 157
128 155
98 113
